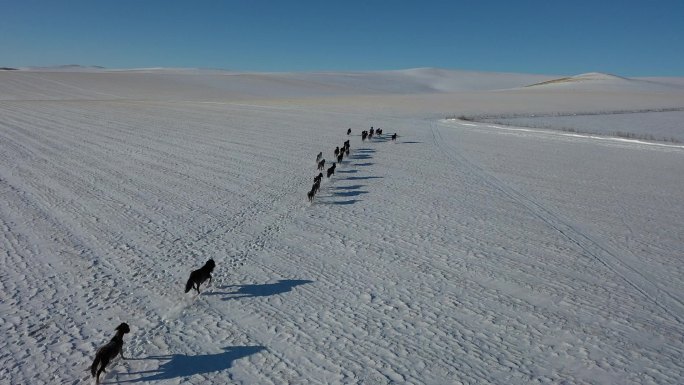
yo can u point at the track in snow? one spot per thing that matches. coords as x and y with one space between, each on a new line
638 280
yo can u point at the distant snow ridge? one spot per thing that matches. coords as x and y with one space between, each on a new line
587 77
84 82
598 76
66 68
598 81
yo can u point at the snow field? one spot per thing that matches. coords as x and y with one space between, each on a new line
455 255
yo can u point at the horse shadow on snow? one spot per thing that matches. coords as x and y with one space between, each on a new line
349 191
260 290
360 154
181 366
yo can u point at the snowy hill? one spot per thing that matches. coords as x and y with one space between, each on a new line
602 82
459 253
162 83
588 77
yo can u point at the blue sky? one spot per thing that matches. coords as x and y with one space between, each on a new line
630 38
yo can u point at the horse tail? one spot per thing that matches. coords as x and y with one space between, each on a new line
188 286
96 363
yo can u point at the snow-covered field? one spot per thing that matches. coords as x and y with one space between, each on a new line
661 126
652 124
460 254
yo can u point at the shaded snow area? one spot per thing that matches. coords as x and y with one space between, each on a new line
459 253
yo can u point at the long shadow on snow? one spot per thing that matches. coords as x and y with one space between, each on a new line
349 193
352 187
262 290
348 202
380 139
364 164
360 156
361 177
347 171
182 366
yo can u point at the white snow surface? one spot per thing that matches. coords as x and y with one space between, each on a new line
461 253
195 84
653 125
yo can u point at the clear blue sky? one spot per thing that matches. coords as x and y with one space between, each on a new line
631 38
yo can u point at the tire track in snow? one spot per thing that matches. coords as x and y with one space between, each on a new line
593 248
